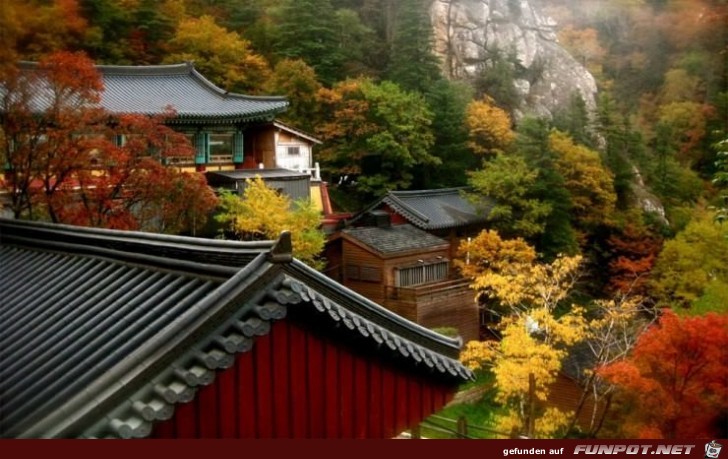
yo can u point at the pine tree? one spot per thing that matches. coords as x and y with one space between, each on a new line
412 63
533 143
306 31
448 102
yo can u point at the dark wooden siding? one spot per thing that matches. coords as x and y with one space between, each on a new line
456 308
353 255
297 384
446 304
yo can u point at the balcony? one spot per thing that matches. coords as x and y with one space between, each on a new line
427 292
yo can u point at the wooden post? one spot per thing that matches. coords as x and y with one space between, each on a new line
462 427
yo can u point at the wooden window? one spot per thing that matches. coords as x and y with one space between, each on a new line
294 151
422 273
221 147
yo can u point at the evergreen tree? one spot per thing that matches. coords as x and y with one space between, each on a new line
306 31
109 30
533 143
448 102
623 147
412 63
361 49
496 78
574 120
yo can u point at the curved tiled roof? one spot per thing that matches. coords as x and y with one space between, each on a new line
437 209
153 89
105 332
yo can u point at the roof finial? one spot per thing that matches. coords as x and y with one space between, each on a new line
282 251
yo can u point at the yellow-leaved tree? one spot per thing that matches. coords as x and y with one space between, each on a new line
224 57
535 340
588 181
263 213
489 126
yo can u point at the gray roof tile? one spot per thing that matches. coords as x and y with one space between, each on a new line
437 209
151 90
394 239
104 332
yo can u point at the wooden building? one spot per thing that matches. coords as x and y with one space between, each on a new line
228 131
444 212
408 271
127 334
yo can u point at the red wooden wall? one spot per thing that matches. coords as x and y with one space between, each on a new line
295 384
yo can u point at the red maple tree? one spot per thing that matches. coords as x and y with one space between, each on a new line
64 161
633 254
675 383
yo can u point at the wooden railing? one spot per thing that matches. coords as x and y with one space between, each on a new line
442 427
419 292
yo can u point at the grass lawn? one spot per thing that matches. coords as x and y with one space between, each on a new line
478 414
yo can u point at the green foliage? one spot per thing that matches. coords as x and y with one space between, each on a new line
305 29
358 44
448 102
624 148
496 78
532 142
713 299
298 82
513 185
376 132
688 264
450 332
574 120
412 63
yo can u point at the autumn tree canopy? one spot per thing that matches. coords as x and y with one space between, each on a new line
535 340
489 126
63 161
674 385
261 213
375 132
222 56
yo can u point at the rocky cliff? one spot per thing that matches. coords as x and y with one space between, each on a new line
468 33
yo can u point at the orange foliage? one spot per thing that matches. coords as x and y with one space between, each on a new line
634 252
674 383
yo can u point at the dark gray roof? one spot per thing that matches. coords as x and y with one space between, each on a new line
103 332
436 209
151 89
394 239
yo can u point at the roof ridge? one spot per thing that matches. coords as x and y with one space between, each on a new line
182 68
429 192
395 200
136 246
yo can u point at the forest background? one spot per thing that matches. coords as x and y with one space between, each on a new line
634 189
